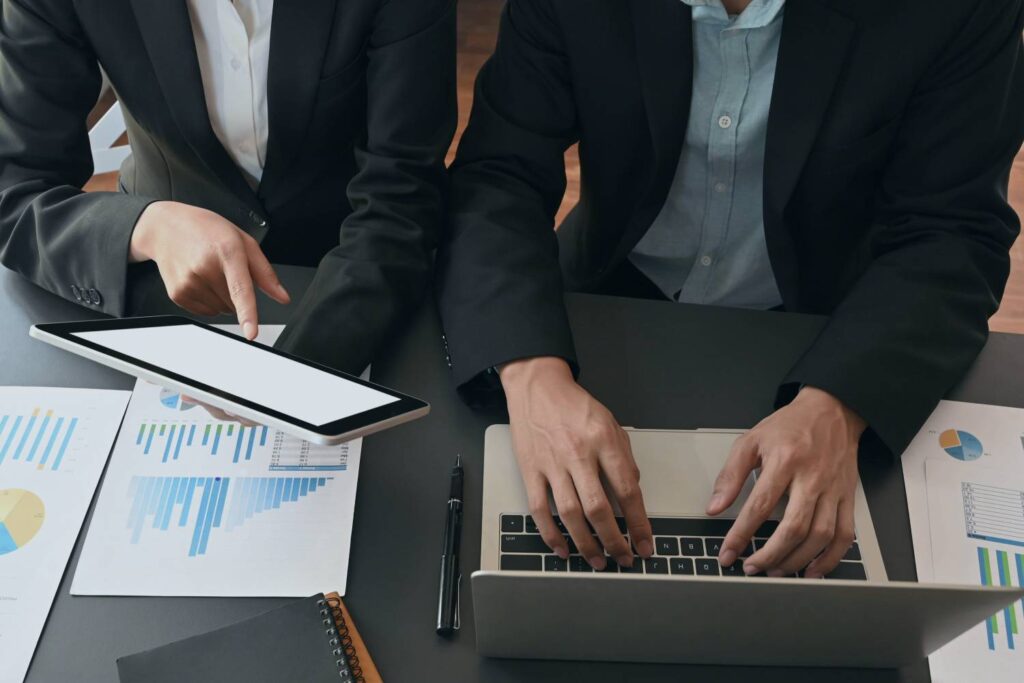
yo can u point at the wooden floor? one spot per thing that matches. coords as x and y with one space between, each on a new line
478 21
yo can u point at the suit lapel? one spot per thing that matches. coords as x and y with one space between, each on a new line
664 46
299 35
815 42
167 33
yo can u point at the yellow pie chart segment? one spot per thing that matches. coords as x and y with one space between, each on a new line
21 516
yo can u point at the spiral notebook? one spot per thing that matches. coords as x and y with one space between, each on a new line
309 640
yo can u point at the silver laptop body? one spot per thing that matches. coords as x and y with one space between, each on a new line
681 606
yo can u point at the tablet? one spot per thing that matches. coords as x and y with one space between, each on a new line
245 378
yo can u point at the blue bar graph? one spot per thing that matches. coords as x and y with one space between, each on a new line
30 438
225 503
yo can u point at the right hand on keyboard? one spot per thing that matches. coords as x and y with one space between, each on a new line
565 441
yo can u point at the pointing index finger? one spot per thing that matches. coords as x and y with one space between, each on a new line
240 288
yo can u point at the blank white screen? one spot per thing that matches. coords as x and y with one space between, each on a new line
266 379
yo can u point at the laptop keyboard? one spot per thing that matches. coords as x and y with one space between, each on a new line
683 546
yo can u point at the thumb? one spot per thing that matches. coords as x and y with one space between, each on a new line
263 273
742 460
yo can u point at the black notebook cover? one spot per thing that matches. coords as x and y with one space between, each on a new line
297 642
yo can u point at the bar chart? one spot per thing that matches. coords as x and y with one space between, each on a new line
38 438
1002 568
170 441
203 504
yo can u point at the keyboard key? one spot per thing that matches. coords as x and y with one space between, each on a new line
656 565
714 545
511 524
578 563
759 542
610 567
734 569
707 567
666 546
637 568
691 547
690 526
681 565
553 563
558 523
523 543
525 563
531 526
853 571
853 554
767 528
748 551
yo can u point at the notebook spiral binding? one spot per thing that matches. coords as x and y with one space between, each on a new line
334 618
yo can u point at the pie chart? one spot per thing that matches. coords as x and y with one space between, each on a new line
21 516
960 444
172 399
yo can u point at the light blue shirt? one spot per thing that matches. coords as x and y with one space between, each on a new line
707 245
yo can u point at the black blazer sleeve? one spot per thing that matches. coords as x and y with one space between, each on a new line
918 316
380 270
50 231
500 285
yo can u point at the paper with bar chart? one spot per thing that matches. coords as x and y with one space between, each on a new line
53 445
964 475
195 506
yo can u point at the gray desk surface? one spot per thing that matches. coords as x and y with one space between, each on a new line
653 364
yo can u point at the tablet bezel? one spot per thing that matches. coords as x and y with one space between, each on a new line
403 409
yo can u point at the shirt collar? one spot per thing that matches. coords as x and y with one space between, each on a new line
758 14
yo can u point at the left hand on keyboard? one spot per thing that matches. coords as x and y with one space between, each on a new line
808 449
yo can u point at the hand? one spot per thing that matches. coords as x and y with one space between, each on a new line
565 441
808 449
208 265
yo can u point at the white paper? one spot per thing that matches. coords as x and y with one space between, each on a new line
53 445
216 508
964 475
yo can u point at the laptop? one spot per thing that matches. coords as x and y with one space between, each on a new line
681 605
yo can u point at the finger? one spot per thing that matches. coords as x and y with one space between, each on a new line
570 510
743 458
537 496
792 530
823 529
598 512
767 491
841 542
239 284
263 273
624 480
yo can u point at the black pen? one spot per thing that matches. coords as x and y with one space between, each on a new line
448 593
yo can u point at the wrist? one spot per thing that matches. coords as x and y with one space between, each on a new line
519 374
141 246
822 400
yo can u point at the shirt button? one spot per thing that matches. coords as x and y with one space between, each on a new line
705 260
235 64
724 121
720 187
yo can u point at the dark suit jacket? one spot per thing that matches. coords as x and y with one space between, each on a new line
361 100
892 129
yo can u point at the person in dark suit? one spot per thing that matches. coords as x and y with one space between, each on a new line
821 156
308 132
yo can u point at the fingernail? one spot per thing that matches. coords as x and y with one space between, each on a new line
562 552
625 560
645 548
597 562
248 329
751 569
727 557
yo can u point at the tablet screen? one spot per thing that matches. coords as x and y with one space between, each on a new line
249 372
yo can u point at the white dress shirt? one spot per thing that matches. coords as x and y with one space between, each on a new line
233 46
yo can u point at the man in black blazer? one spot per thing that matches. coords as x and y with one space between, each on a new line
334 156
891 130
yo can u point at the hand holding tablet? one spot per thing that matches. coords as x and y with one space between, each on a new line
244 378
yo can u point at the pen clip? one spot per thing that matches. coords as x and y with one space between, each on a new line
458 603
